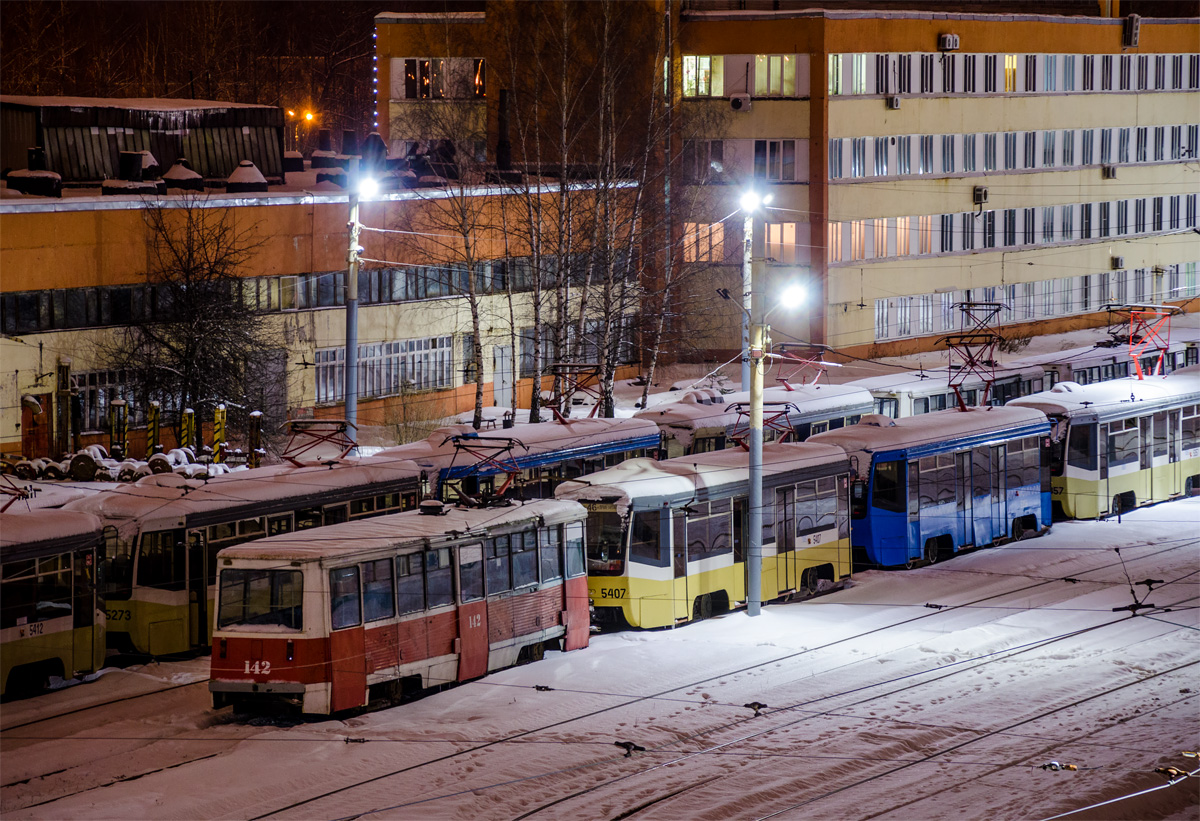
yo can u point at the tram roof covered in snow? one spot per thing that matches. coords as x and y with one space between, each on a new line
652 482
1116 396
876 433
166 500
409 528
708 409
539 437
28 533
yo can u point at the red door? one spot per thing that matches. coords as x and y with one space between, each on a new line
472 640
35 427
576 617
348 662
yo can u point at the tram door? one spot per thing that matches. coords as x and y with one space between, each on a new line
472 615
964 529
981 495
197 589
785 538
999 494
681 600
1175 474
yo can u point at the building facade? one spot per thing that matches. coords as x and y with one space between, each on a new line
916 160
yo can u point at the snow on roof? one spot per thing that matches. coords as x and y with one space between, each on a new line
690 414
539 437
868 437
45 525
166 504
1099 397
135 103
684 476
933 380
246 172
365 535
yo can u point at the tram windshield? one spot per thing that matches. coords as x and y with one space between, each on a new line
261 598
605 543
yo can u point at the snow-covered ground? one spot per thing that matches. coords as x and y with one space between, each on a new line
943 692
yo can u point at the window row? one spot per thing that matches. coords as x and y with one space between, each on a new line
903 316
61 309
787 75
415 582
388 368
438 78
886 237
938 154
713 161
956 73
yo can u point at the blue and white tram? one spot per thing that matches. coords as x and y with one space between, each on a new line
912 393
927 486
545 454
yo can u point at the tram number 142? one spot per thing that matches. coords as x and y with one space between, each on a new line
258 668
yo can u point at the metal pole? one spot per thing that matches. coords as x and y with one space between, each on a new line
754 557
352 316
747 291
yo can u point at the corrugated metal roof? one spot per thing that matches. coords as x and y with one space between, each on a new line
84 136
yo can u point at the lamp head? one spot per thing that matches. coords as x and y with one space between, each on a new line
750 201
368 187
792 296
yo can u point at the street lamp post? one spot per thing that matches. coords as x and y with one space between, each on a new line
750 203
759 342
363 186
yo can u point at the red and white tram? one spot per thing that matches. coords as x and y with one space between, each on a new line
330 618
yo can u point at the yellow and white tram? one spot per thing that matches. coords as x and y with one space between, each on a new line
667 541
1123 443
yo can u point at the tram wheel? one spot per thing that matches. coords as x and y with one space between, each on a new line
1018 530
808 581
702 607
910 562
932 554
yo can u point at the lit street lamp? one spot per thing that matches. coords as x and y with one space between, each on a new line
363 186
760 342
750 203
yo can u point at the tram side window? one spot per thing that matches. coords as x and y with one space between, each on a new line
307 517
161 560
806 507
410 583
362 507
379 600
646 544
35 590
279 524
497 552
927 465
887 492
574 550
117 574
524 559
1160 434
470 572
887 407
785 516
344 606
920 406
1081 447
550 552
439 577
1191 427
710 535
1123 443
981 471
827 503
843 505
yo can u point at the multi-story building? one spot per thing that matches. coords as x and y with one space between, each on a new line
916 160
79 269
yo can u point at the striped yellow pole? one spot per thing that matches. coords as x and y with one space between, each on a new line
219 434
153 429
188 429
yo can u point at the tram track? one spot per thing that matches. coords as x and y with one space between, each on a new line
923 682
724 675
99 705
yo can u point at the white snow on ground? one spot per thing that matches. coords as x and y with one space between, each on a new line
880 706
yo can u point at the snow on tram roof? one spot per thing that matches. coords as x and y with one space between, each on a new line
870 436
364 535
691 409
685 475
1099 397
28 527
538 437
169 496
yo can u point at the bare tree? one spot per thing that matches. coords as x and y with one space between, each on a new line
195 341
